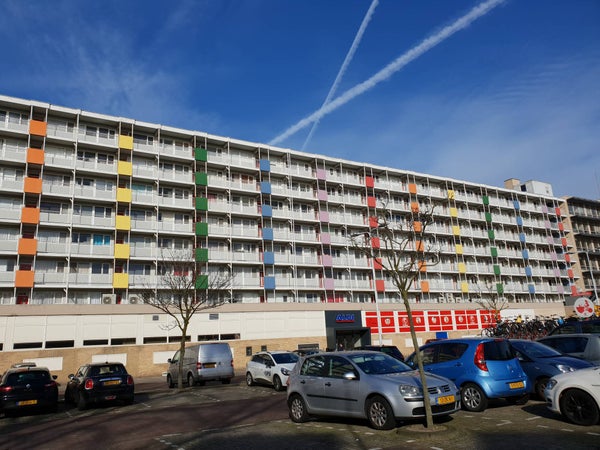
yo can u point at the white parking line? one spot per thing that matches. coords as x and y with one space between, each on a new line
534 418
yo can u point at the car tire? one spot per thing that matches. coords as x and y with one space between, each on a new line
473 398
82 403
540 385
579 407
190 380
170 381
297 409
380 413
249 379
277 384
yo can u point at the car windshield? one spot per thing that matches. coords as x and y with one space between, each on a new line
378 363
535 349
23 378
285 358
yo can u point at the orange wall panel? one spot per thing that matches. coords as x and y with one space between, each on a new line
24 278
380 285
32 185
27 246
412 188
418 227
30 215
35 156
425 286
37 127
414 207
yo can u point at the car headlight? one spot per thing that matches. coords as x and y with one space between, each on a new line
551 384
564 368
285 371
408 390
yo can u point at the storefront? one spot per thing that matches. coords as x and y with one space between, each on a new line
345 330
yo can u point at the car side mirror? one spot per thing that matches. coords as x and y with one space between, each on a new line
169 361
54 377
71 376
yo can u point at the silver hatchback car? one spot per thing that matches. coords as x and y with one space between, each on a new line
365 384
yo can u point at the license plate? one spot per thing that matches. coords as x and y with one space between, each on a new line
516 385
27 402
112 382
445 399
209 365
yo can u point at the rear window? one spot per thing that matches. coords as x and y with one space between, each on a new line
573 344
23 378
497 351
110 369
285 358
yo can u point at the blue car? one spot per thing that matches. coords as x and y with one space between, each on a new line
541 362
483 369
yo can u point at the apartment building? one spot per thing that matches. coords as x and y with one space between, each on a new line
582 220
89 204
92 206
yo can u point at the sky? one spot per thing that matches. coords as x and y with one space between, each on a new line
407 84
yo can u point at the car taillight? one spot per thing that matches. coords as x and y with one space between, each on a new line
89 383
199 365
129 380
5 389
479 359
52 384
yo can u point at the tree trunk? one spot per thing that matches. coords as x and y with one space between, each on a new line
413 335
181 357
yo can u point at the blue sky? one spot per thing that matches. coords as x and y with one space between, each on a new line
515 94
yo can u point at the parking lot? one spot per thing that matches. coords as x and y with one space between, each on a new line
236 416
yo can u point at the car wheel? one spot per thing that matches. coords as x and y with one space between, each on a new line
81 402
473 398
380 413
170 382
540 385
190 380
579 407
277 384
297 407
249 379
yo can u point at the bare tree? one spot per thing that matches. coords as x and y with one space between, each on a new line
403 250
182 290
491 300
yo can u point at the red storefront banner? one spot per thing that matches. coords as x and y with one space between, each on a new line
487 318
447 322
460 319
388 321
472 320
418 321
434 321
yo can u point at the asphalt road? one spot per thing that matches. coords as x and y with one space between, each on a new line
230 417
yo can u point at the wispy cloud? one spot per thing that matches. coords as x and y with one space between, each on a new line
345 64
396 65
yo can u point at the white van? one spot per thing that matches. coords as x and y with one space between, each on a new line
201 363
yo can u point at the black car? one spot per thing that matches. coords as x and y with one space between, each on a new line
99 383
591 326
391 350
28 388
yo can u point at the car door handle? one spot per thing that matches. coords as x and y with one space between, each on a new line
328 384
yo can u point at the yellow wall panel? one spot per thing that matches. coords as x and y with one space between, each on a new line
459 249
462 267
464 287
125 168
122 251
121 280
450 194
123 223
453 212
456 230
124 195
126 142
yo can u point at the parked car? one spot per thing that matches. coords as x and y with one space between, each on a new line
576 395
28 388
541 362
577 326
584 346
271 368
306 351
209 361
483 369
391 350
99 383
365 384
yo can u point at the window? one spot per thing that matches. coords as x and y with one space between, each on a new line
101 239
100 268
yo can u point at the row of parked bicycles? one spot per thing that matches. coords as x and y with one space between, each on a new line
523 329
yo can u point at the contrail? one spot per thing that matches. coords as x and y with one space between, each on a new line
345 64
412 54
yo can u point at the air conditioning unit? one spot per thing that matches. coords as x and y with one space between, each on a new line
109 299
134 300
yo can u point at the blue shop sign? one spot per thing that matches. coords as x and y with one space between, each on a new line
344 318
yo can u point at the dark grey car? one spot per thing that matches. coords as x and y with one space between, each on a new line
365 384
581 345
